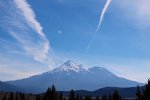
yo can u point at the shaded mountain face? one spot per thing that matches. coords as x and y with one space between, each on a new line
73 76
7 87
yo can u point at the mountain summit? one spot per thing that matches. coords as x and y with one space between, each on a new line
73 76
70 66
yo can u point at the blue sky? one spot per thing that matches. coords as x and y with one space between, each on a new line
37 36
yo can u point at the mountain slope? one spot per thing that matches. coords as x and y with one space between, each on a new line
72 76
5 87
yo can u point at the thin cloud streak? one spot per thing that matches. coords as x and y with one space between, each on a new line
99 24
30 16
19 20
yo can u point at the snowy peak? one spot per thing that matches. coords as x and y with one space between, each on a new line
70 66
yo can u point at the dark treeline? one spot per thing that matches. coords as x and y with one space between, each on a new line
52 94
145 94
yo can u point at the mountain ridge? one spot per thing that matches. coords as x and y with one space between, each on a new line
8 87
74 76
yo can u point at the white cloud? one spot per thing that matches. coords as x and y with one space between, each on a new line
26 10
19 20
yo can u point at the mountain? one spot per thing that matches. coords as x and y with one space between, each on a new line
5 87
73 76
124 92
70 66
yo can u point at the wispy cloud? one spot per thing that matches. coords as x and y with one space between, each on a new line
26 10
19 20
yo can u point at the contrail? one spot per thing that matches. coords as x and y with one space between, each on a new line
102 14
99 24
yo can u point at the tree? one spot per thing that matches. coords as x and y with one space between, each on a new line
4 97
116 96
77 97
97 98
138 94
81 98
11 96
146 92
72 95
104 97
109 97
22 96
51 94
54 95
17 97
61 96
88 98
47 95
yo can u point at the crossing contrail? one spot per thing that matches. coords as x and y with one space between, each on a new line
99 24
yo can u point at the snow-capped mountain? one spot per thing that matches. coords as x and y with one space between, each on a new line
73 76
70 66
